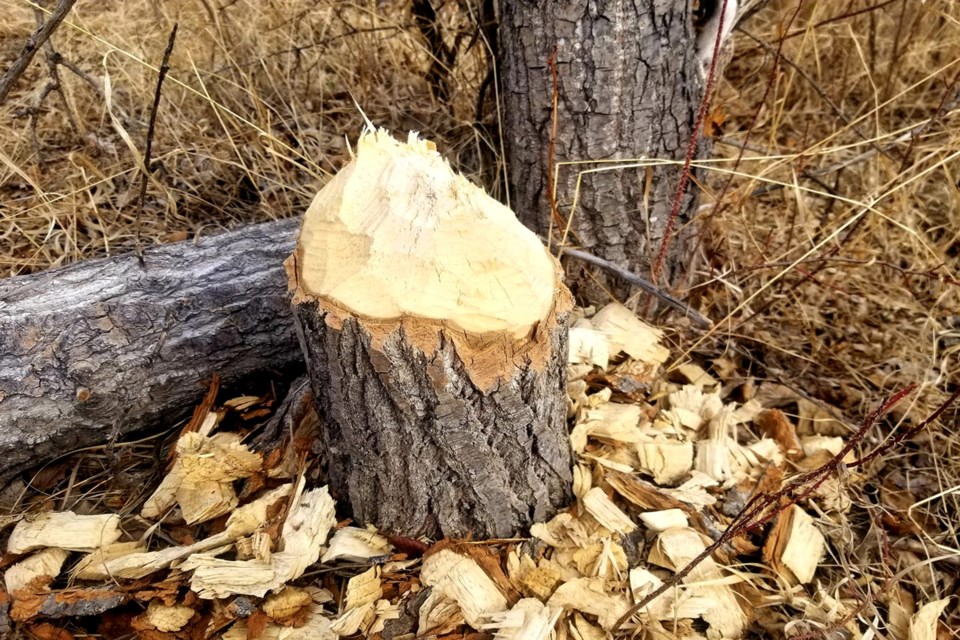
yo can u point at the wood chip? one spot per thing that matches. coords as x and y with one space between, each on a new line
94 565
460 579
439 615
628 333
923 624
794 546
668 461
316 627
588 346
529 619
775 424
286 603
675 549
588 595
356 544
598 505
38 570
696 375
167 618
65 530
308 523
662 520
200 480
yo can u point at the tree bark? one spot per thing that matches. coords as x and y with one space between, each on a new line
628 87
105 347
418 445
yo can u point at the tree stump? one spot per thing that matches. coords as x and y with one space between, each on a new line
435 331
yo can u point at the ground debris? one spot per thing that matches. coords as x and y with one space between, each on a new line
662 469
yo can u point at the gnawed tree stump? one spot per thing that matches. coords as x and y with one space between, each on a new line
435 330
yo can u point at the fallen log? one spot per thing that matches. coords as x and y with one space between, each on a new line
106 347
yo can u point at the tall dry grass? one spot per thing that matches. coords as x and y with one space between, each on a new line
256 112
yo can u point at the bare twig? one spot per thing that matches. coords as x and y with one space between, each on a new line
164 68
33 44
637 281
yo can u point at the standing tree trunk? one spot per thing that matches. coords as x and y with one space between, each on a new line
628 87
434 328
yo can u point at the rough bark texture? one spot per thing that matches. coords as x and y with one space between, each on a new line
417 448
628 87
106 347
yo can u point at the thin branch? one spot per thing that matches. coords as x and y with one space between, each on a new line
33 44
164 68
637 281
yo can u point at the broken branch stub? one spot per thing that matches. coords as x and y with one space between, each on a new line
435 329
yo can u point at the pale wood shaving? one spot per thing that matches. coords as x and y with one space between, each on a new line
923 624
662 520
588 346
354 543
795 545
696 375
693 491
580 628
667 461
628 333
674 549
609 515
317 627
462 580
285 602
129 560
589 596
45 563
65 530
168 618
439 615
528 619
308 523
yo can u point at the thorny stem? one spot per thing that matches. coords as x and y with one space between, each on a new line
691 147
750 517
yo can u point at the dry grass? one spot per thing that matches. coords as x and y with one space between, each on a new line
843 284
254 116
841 280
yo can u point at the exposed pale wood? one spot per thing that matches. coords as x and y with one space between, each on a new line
66 530
45 563
105 346
923 624
434 326
201 479
459 578
795 546
305 531
356 545
167 618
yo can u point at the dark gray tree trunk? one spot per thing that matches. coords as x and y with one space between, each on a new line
417 446
106 347
628 87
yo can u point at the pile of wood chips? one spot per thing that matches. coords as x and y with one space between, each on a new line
234 544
